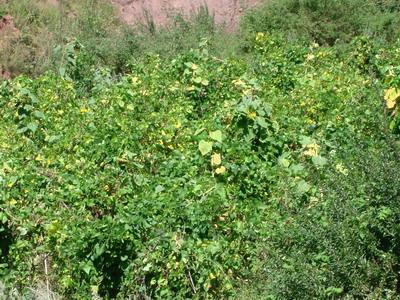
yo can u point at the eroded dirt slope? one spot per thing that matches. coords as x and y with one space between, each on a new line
226 12
8 33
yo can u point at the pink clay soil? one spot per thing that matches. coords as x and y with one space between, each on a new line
8 32
225 12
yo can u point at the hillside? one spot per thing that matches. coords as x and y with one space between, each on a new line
169 167
225 12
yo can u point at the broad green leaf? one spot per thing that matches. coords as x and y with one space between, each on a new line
32 127
303 187
305 141
22 130
159 188
87 269
52 138
319 161
330 291
205 147
261 121
216 135
205 82
284 162
296 169
147 267
198 80
38 114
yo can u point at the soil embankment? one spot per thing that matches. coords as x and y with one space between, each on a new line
225 12
8 33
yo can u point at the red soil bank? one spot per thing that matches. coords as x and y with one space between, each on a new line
8 32
225 12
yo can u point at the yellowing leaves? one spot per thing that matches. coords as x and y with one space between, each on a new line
392 95
221 170
178 125
341 169
191 88
239 82
252 115
312 149
216 159
12 202
135 80
260 36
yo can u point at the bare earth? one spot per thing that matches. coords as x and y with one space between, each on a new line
8 32
225 12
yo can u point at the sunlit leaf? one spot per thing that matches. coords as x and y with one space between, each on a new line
319 161
216 159
32 127
392 95
303 187
221 170
216 135
205 147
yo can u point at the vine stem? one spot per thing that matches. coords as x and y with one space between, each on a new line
191 281
46 271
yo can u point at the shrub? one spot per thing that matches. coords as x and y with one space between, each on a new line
325 22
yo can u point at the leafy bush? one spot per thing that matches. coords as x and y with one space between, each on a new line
186 178
272 175
326 22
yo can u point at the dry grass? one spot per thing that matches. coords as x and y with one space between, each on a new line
40 292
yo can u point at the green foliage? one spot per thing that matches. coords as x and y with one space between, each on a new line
191 176
326 22
186 178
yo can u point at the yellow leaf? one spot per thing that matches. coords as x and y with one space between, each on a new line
392 95
178 125
220 170
135 80
252 115
191 88
239 82
310 152
312 149
341 169
12 202
260 36
216 159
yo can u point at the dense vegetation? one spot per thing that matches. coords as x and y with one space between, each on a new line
272 173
